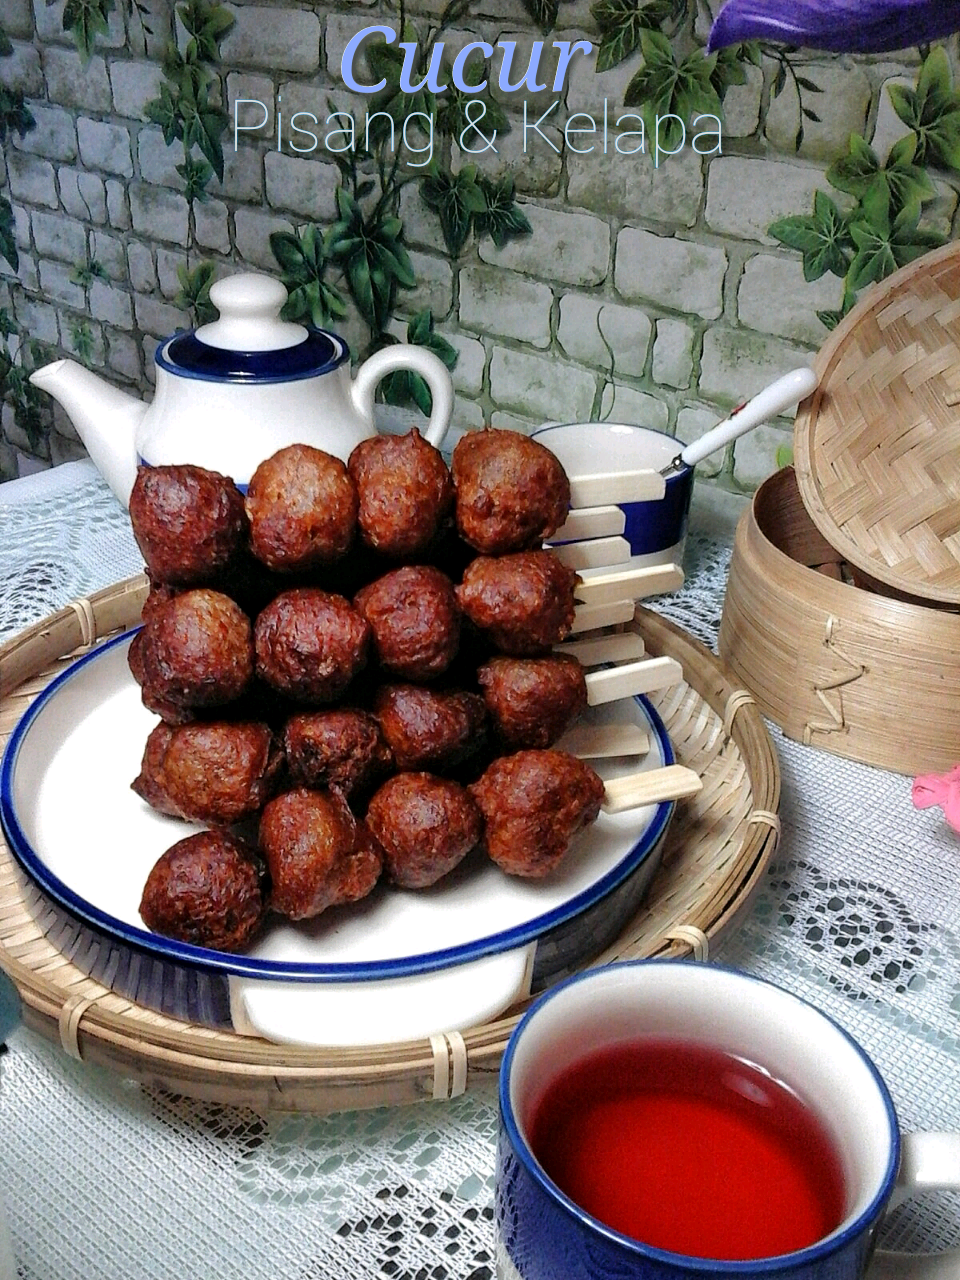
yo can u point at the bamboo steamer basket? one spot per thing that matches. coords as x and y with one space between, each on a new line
868 676
716 852
877 445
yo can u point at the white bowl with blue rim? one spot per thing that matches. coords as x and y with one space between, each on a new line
655 529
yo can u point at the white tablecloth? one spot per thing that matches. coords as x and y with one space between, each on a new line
859 912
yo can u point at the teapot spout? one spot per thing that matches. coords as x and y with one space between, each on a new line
106 419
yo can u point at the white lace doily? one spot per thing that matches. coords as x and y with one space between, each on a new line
859 912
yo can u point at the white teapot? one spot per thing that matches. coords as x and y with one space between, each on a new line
231 393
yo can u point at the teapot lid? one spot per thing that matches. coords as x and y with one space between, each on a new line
249 342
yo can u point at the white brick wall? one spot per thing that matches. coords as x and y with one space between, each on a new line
670 267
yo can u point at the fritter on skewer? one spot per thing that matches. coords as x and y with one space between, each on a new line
425 826
189 523
195 652
310 644
318 854
302 507
207 890
415 620
523 602
405 493
429 728
215 772
512 493
340 747
531 701
533 803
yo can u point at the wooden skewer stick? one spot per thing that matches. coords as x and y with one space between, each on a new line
597 741
648 581
610 683
589 617
591 522
604 487
625 646
593 553
652 786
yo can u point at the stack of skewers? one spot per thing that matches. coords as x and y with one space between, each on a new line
372 670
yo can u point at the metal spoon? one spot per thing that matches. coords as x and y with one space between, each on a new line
780 395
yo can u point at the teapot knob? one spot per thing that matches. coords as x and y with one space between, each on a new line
250 306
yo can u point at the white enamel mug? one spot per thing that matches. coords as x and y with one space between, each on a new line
543 1235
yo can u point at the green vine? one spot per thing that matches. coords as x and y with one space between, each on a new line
362 256
18 357
883 229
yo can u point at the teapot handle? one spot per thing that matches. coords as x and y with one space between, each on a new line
406 356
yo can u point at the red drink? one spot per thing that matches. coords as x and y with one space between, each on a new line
690 1149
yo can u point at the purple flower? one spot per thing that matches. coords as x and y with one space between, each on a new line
842 26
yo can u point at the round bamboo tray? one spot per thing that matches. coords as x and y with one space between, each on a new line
717 849
862 675
877 445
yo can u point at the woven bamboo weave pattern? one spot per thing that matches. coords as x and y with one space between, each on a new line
877 446
716 852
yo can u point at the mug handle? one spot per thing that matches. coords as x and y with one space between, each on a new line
406 356
927 1161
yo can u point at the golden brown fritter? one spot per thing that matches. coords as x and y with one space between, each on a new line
302 507
310 644
425 826
512 493
341 748
429 728
531 701
207 890
196 651
524 602
189 523
533 803
317 852
415 620
405 492
217 772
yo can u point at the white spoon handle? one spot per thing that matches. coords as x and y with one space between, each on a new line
780 395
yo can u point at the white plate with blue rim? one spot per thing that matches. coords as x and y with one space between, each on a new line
398 966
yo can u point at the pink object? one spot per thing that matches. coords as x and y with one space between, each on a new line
942 789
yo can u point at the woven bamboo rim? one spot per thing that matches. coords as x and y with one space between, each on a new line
862 675
877 446
716 853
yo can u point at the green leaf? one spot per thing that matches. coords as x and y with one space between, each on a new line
8 235
666 87
823 238
454 198
194 293
81 336
196 175
451 118
932 111
860 171
621 23
501 217
15 115
206 24
543 12
303 264
784 455
85 20
884 243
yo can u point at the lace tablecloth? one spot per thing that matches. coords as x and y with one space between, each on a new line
859 912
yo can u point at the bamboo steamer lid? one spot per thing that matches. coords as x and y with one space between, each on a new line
877 445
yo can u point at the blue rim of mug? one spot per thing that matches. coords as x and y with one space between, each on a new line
184 355
675 478
838 1239
239 965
